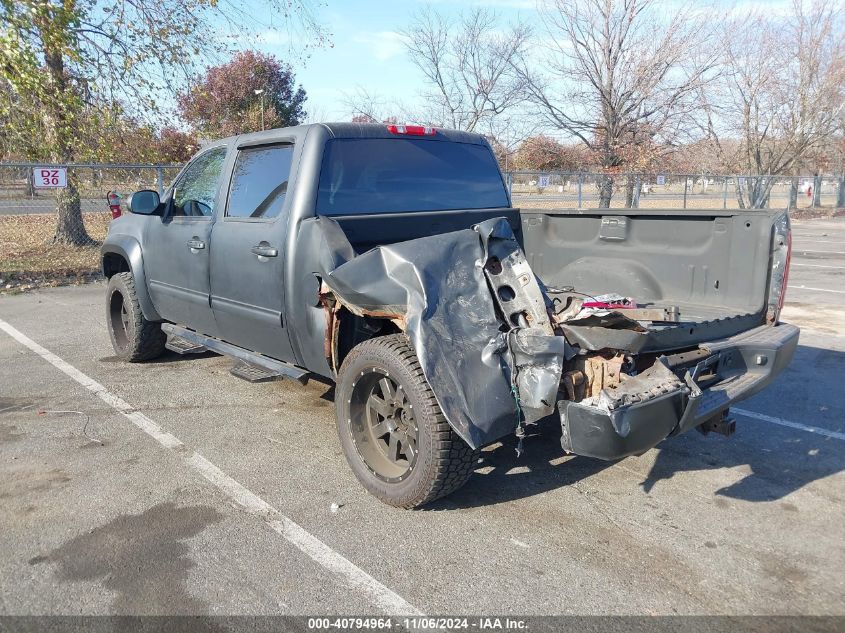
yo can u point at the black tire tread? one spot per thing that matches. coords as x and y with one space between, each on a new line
454 459
147 339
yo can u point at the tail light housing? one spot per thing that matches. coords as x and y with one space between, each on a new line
114 199
779 274
411 130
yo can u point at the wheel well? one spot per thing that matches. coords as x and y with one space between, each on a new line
354 329
114 263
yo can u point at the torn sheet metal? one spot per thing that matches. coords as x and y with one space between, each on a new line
618 332
654 382
438 289
515 289
538 359
627 419
606 330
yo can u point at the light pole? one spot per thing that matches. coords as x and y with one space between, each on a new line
261 92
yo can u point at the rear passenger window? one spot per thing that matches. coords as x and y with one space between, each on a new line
260 182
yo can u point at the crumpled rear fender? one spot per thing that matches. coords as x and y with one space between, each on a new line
435 290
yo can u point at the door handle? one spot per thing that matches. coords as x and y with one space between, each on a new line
264 251
196 244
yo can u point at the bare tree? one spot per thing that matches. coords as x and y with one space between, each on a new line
620 74
365 106
781 96
506 133
468 65
840 154
317 113
69 61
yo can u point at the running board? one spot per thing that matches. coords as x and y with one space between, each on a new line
253 373
256 365
184 347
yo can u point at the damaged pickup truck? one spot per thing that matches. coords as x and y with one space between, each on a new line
390 260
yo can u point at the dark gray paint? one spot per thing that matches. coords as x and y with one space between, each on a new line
437 286
226 291
647 408
704 261
247 290
363 231
177 274
174 276
128 248
185 296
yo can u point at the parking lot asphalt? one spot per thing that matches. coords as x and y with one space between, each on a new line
172 487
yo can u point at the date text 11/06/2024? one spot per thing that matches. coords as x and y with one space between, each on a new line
418 624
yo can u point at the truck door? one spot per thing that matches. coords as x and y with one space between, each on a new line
247 258
176 249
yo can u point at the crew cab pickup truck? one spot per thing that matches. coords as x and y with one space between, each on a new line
390 259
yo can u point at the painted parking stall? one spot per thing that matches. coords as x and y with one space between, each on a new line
644 535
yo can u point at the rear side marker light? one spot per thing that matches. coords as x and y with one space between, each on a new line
785 281
412 130
781 258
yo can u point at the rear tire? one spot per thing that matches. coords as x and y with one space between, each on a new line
133 337
393 433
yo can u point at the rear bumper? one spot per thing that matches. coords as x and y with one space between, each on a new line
660 403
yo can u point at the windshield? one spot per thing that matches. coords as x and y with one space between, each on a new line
401 175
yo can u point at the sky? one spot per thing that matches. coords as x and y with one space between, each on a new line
367 49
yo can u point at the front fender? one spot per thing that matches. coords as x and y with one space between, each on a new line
129 249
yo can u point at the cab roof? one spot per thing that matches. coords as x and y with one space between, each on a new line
352 130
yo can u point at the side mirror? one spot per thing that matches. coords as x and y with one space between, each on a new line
144 202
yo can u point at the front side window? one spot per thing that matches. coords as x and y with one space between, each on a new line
260 182
196 189
385 175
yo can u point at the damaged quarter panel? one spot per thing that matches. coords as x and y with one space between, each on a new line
315 247
478 319
438 288
400 257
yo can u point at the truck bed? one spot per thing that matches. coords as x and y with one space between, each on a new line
712 264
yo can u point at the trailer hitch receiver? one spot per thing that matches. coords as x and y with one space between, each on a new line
720 423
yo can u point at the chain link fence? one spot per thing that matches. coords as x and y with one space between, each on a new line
50 235
52 218
562 190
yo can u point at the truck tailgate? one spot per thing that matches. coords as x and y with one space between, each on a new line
714 265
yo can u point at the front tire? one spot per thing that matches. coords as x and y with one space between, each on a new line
133 337
393 433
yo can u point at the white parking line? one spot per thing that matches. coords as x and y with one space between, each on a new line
350 574
804 251
792 425
839 292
